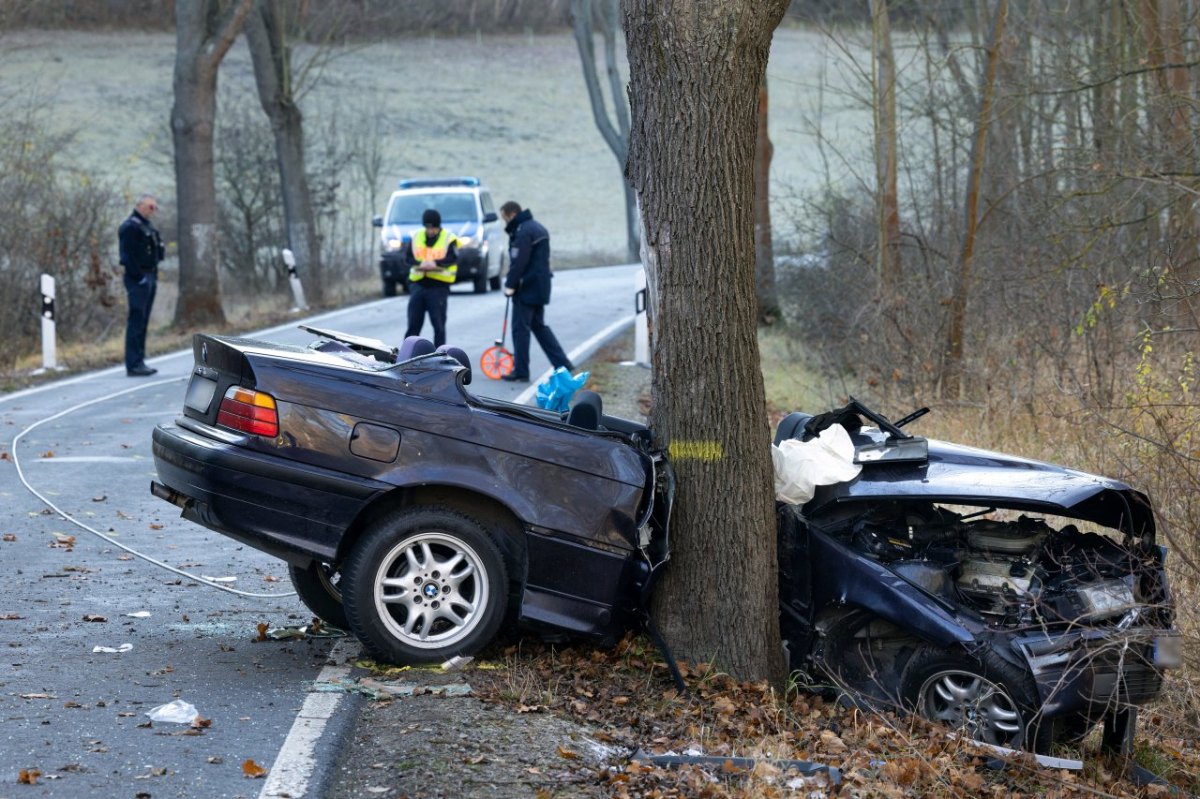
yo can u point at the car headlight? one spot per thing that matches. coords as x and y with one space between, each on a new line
1106 598
468 241
391 245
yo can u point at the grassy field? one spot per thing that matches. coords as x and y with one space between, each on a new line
511 109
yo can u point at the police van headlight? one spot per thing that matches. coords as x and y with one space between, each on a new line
391 245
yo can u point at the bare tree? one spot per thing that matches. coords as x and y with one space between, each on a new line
952 370
694 78
887 202
764 248
204 32
584 14
268 29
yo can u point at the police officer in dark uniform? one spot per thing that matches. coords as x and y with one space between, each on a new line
141 252
528 283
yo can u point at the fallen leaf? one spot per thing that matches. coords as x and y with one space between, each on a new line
156 527
262 631
270 578
201 723
832 742
99 498
28 776
48 453
71 705
253 770
95 617
567 753
216 760
10 617
9 537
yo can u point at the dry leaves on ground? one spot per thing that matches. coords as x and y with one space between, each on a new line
626 695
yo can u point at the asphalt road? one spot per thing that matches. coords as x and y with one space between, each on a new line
83 444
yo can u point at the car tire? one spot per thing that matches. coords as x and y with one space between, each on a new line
988 699
389 287
424 585
318 586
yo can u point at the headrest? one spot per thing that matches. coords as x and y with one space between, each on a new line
457 354
414 347
586 411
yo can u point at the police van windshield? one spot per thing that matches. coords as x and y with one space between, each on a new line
456 207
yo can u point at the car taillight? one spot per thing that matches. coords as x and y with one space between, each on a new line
249 411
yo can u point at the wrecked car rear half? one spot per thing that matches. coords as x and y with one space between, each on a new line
1022 600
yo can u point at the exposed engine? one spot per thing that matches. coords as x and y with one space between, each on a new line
1015 573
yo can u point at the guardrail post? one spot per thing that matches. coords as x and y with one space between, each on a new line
49 336
289 260
641 323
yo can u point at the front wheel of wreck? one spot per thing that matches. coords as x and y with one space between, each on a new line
986 699
424 585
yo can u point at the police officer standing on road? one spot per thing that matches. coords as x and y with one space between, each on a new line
432 258
141 249
528 283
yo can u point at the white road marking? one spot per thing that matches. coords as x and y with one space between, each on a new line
294 765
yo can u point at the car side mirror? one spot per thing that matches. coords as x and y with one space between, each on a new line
377 221
490 216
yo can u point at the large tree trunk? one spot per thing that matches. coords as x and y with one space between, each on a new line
764 245
953 365
694 78
584 14
272 57
203 34
887 203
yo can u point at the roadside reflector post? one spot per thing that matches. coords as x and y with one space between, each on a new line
641 323
49 336
289 260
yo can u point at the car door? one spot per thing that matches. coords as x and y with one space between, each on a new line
493 233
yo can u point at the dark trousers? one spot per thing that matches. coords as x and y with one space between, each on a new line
428 296
141 302
529 319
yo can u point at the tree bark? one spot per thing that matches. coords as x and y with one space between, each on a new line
694 77
272 56
764 245
584 13
887 202
953 366
203 34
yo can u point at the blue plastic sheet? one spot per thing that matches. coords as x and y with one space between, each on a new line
555 392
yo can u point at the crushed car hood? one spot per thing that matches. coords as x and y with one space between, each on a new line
969 476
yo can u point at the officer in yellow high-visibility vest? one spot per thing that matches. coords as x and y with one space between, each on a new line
432 258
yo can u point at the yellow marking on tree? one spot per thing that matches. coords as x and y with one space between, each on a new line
696 450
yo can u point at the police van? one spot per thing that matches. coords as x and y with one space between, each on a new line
468 212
